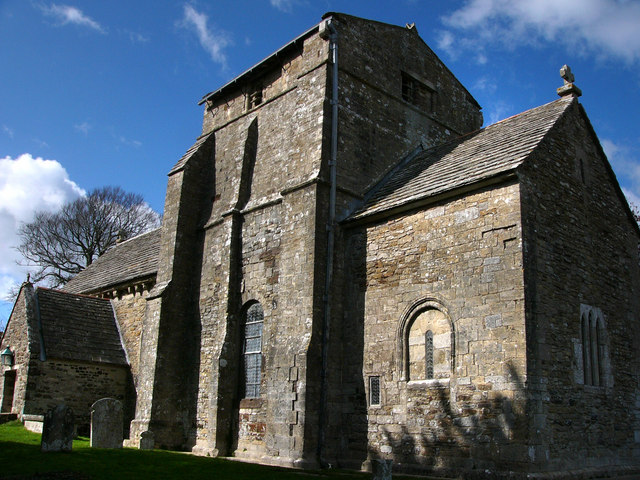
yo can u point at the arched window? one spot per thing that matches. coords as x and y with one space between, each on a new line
426 342
252 351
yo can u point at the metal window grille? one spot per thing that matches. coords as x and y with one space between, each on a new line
253 350
374 390
408 88
428 354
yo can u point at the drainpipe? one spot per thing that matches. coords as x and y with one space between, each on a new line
333 48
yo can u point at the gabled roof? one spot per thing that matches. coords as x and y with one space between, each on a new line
78 327
133 259
479 156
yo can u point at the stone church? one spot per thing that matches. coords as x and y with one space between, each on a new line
350 268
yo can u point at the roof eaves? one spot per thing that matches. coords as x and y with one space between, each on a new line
263 64
416 202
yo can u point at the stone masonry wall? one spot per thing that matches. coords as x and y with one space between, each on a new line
462 257
130 308
170 347
264 196
75 384
16 337
260 246
581 251
377 127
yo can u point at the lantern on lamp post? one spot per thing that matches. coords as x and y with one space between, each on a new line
6 357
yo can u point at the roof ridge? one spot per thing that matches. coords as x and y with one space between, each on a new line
478 156
499 122
137 236
83 295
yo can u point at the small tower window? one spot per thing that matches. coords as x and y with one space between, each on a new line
418 93
254 97
408 88
374 391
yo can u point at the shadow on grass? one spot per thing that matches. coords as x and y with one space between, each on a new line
21 458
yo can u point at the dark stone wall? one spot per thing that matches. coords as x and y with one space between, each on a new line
377 127
580 248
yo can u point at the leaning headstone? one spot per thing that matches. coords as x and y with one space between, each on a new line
58 430
382 469
147 440
106 423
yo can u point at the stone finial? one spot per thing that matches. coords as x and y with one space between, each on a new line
568 88
567 74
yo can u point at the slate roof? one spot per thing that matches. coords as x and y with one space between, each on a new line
130 260
78 327
472 158
192 150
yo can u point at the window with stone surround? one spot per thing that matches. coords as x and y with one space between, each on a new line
426 340
418 93
252 351
592 341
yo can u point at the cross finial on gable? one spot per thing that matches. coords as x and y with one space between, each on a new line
568 88
567 74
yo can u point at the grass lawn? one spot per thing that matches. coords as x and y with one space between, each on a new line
21 458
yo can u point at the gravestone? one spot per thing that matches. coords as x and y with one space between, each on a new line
382 469
147 440
58 430
106 423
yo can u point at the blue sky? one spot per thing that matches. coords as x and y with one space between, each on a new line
105 93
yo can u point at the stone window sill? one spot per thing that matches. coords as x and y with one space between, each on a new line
431 383
250 403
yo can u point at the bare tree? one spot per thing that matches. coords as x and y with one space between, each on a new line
635 209
63 243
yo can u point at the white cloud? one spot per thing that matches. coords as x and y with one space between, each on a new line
446 43
608 28
499 110
626 167
283 5
27 184
8 131
136 37
632 198
66 15
485 84
83 127
454 46
214 42
41 143
129 143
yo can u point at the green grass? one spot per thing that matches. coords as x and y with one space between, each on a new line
20 457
